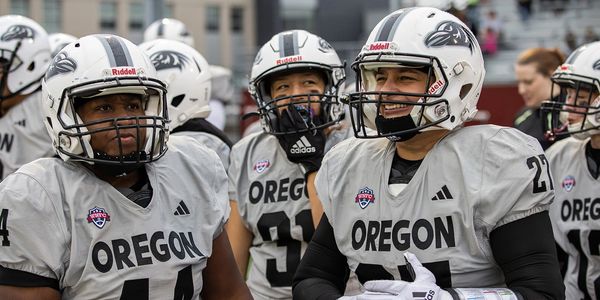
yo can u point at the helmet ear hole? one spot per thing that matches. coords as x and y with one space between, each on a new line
177 100
31 66
464 90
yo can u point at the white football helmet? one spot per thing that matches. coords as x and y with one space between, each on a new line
170 29
435 42
98 65
24 55
222 88
580 72
187 76
296 50
59 41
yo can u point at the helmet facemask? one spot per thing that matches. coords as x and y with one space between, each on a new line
369 104
584 90
150 128
318 110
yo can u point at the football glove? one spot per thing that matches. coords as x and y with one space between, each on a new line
423 287
304 148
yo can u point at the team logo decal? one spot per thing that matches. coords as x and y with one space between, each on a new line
568 183
169 60
364 197
324 46
261 165
18 32
98 216
61 64
596 65
450 33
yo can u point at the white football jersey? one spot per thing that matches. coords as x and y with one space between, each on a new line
575 216
274 206
65 223
23 135
211 142
472 181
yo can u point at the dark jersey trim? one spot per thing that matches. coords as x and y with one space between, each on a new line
201 125
18 278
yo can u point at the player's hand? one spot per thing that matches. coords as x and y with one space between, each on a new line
306 148
424 284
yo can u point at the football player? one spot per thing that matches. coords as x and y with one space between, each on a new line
188 78
59 41
24 58
295 80
117 216
169 28
175 30
575 167
435 211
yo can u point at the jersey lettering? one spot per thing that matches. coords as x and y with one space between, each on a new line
284 238
3 229
539 185
580 209
273 191
593 240
104 256
140 288
382 235
440 269
6 141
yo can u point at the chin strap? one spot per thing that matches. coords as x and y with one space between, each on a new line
404 125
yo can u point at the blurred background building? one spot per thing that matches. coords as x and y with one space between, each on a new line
229 32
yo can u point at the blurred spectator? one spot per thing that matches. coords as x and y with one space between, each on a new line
590 35
489 43
473 15
533 69
525 9
491 21
570 41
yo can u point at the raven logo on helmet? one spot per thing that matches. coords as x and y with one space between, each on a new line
450 33
596 65
169 60
18 32
324 46
61 64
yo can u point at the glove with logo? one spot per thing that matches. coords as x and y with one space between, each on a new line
307 147
424 286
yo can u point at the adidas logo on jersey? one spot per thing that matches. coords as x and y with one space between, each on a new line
21 122
302 146
182 209
443 194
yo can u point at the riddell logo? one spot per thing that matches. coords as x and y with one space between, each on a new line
289 59
379 46
123 71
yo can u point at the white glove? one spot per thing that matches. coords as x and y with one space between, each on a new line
368 295
423 287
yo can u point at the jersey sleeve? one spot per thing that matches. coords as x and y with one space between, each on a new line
33 236
325 176
516 180
220 188
233 172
